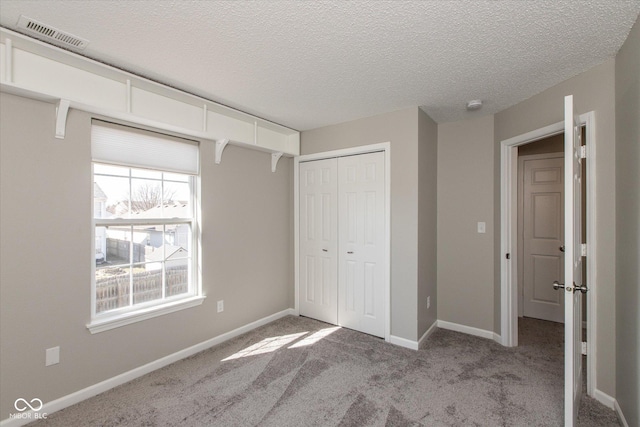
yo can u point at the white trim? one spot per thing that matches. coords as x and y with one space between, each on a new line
535 135
92 260
403 342
414 345
296 234
101 325
106 222
427 334
470 330
509 244
605 399
363 149
497 338
101 387
387 236
621 417
542 156
508 228
589 121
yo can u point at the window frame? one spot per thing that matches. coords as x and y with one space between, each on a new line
138 312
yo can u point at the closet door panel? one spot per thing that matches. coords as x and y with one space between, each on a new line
361 240
318 240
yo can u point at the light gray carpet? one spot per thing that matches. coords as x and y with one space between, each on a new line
348 379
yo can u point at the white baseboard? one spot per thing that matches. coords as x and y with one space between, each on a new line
101 387
428 333
621 417
604 398
466 329
413 345
403 342
497 338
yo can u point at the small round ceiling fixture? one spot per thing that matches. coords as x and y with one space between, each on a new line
475 104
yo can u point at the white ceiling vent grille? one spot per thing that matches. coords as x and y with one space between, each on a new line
47 32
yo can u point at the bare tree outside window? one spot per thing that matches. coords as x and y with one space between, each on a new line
147 196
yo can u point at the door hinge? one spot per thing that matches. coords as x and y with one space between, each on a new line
508 256
583 249
583 151
584 348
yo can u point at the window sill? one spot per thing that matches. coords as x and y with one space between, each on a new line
101 325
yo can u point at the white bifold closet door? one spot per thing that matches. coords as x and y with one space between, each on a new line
342 238
318 258
361 269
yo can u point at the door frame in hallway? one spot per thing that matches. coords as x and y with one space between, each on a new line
509 236
364 149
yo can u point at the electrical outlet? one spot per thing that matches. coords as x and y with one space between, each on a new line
482 227
428 302
52 356
220 306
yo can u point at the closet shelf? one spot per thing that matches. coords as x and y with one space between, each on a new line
33 69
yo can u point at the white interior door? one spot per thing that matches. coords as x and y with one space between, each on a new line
318 240
573 264
543 237
361 266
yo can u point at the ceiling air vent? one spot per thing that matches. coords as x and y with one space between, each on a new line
47 32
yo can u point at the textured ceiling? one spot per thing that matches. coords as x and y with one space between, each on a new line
314 63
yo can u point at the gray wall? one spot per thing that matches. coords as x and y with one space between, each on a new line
465 197
401 129
628 227
427 221
45 290
593 90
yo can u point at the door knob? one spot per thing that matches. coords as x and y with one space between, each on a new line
573 288
325 250
350 252
582 289
561 248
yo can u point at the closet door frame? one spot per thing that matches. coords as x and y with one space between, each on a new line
363 149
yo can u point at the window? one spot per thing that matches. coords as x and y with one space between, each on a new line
145 227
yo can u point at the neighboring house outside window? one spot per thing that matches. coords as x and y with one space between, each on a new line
145 229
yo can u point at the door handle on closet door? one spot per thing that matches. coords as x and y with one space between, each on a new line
349 252
325 250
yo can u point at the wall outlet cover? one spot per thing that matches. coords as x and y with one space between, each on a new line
52 356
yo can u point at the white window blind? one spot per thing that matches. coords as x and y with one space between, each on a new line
122 145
